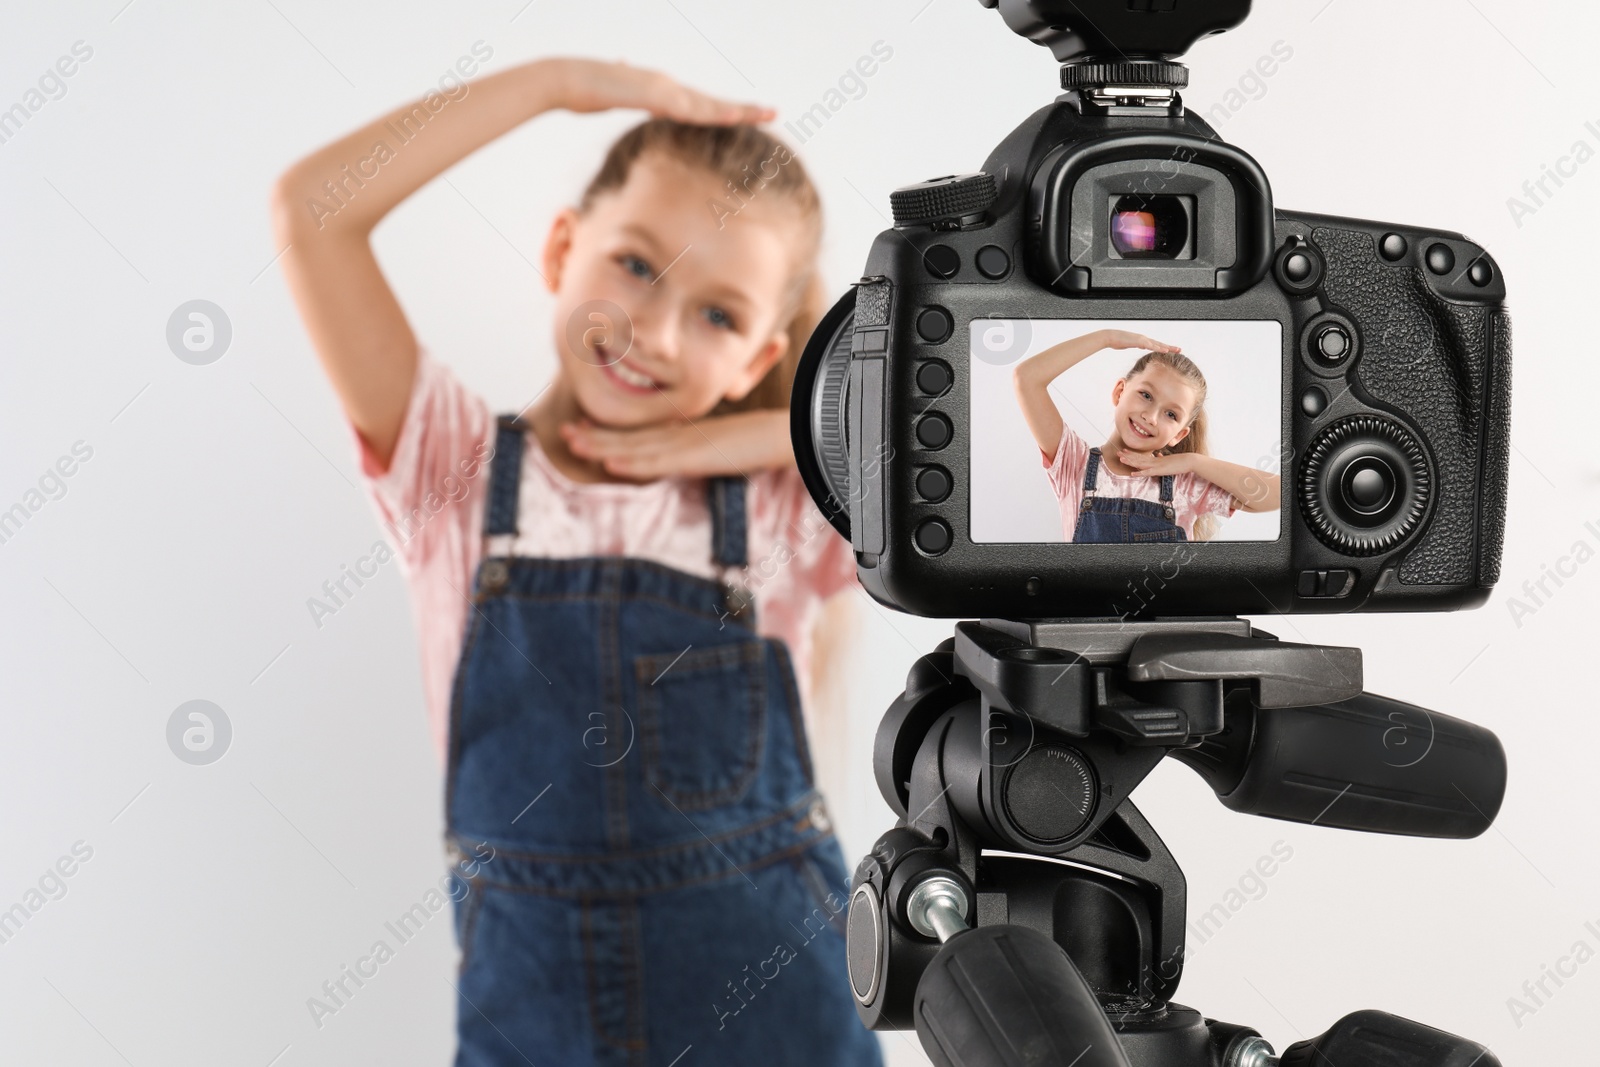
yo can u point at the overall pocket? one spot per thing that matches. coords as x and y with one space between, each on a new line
702 717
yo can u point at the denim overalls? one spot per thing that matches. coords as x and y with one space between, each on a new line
1123 520
661 886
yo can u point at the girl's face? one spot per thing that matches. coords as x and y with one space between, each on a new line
663 308
1153 408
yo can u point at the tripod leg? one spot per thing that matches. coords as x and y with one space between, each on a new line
1003 995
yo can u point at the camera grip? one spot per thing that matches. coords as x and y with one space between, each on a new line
1445 361
1368 763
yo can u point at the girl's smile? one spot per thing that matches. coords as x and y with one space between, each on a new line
623 375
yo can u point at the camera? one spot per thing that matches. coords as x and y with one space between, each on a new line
1352 378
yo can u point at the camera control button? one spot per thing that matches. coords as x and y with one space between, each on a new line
1319 584
934 378
1393 247
942 261
933 537
1329 343
1333 342
933 431
934 325
993 261
1481 272
1368 484
1365 485
1299 266
1314 401
934 484
1440 259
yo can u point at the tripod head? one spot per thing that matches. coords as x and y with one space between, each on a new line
1020 868
1068 718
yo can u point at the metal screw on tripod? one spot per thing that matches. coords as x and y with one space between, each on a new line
938 908
1252 1052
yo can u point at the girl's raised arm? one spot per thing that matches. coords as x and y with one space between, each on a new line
356 325
1032 378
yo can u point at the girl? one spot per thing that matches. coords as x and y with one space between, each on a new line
1152 479
611 625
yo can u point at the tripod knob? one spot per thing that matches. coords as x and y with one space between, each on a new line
1002 995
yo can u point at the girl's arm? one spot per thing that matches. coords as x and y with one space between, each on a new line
1032 378
356 325
1255 490
727 444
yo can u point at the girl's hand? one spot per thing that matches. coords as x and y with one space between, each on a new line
1125 339
589 85
727 444
1156 466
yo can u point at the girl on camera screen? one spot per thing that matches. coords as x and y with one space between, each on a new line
1152 480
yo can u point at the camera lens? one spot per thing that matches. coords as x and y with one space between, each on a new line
1149 227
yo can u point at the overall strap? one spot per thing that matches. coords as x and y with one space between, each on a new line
1091 472
729 526
1166 488
505 475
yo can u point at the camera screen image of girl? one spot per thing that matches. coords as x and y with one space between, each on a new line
614 588
1151 480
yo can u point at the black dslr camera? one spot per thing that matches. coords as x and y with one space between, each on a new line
1361 368
1317 422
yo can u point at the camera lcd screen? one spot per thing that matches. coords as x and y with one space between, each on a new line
1125 432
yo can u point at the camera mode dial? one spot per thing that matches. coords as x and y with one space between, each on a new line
948 199
1364 485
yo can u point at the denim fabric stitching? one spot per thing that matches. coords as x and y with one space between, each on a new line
748 867
745 657
789 813
797 722
811 874
613 925
471 906
503 498
634 1005
616 775
453 758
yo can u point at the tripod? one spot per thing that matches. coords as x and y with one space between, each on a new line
1023 911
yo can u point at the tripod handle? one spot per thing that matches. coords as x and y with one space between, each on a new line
1378 1037
1003 995
1367 763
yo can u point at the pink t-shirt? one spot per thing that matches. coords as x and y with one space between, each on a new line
431 502
1192 495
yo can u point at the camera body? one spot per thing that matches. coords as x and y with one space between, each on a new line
1391 359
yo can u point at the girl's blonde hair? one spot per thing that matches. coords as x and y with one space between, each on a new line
754 166
1205 527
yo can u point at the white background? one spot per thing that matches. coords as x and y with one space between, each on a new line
220 498
1011 495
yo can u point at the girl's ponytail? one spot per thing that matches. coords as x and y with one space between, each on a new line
775 389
